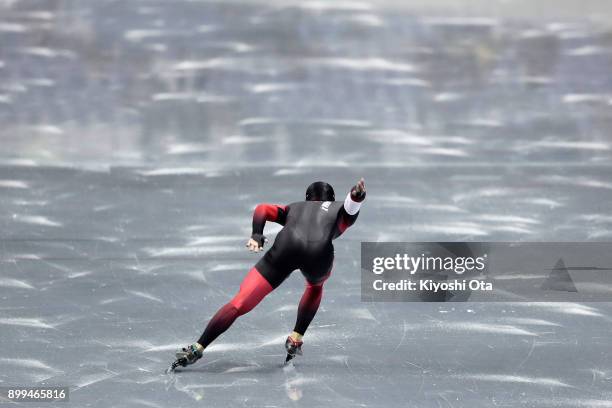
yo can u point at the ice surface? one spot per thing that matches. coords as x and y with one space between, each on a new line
137 138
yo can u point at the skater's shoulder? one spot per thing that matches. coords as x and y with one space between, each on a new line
330 207
327 206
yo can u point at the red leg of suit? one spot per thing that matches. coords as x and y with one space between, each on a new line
309 304
253 289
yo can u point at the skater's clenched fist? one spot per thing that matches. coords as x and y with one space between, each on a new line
256 243
253 245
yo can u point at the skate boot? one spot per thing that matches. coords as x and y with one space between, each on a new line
293 347
187 356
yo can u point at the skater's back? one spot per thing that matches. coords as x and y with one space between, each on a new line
311 222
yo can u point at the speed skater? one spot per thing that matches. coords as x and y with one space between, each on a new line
304 243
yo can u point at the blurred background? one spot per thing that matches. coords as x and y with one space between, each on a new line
304 83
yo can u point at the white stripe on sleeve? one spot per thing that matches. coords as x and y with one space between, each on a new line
351 207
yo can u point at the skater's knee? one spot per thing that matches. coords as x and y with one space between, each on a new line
243 304
237 303
314 287
232 307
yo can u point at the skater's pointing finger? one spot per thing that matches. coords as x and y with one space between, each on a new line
361 185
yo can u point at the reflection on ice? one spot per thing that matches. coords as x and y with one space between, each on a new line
144 295
13 184
547 382
15 283
36 220
191 251
477 327
460 228
565 308
25 322
529 321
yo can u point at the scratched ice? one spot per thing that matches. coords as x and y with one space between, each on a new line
138 136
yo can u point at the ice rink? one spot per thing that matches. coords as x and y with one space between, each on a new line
137 138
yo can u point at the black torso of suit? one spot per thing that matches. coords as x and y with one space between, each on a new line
305 242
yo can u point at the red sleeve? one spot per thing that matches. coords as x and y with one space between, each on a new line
268 212
344 221
349 212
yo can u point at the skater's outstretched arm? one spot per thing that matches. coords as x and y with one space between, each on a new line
350 210
263 213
